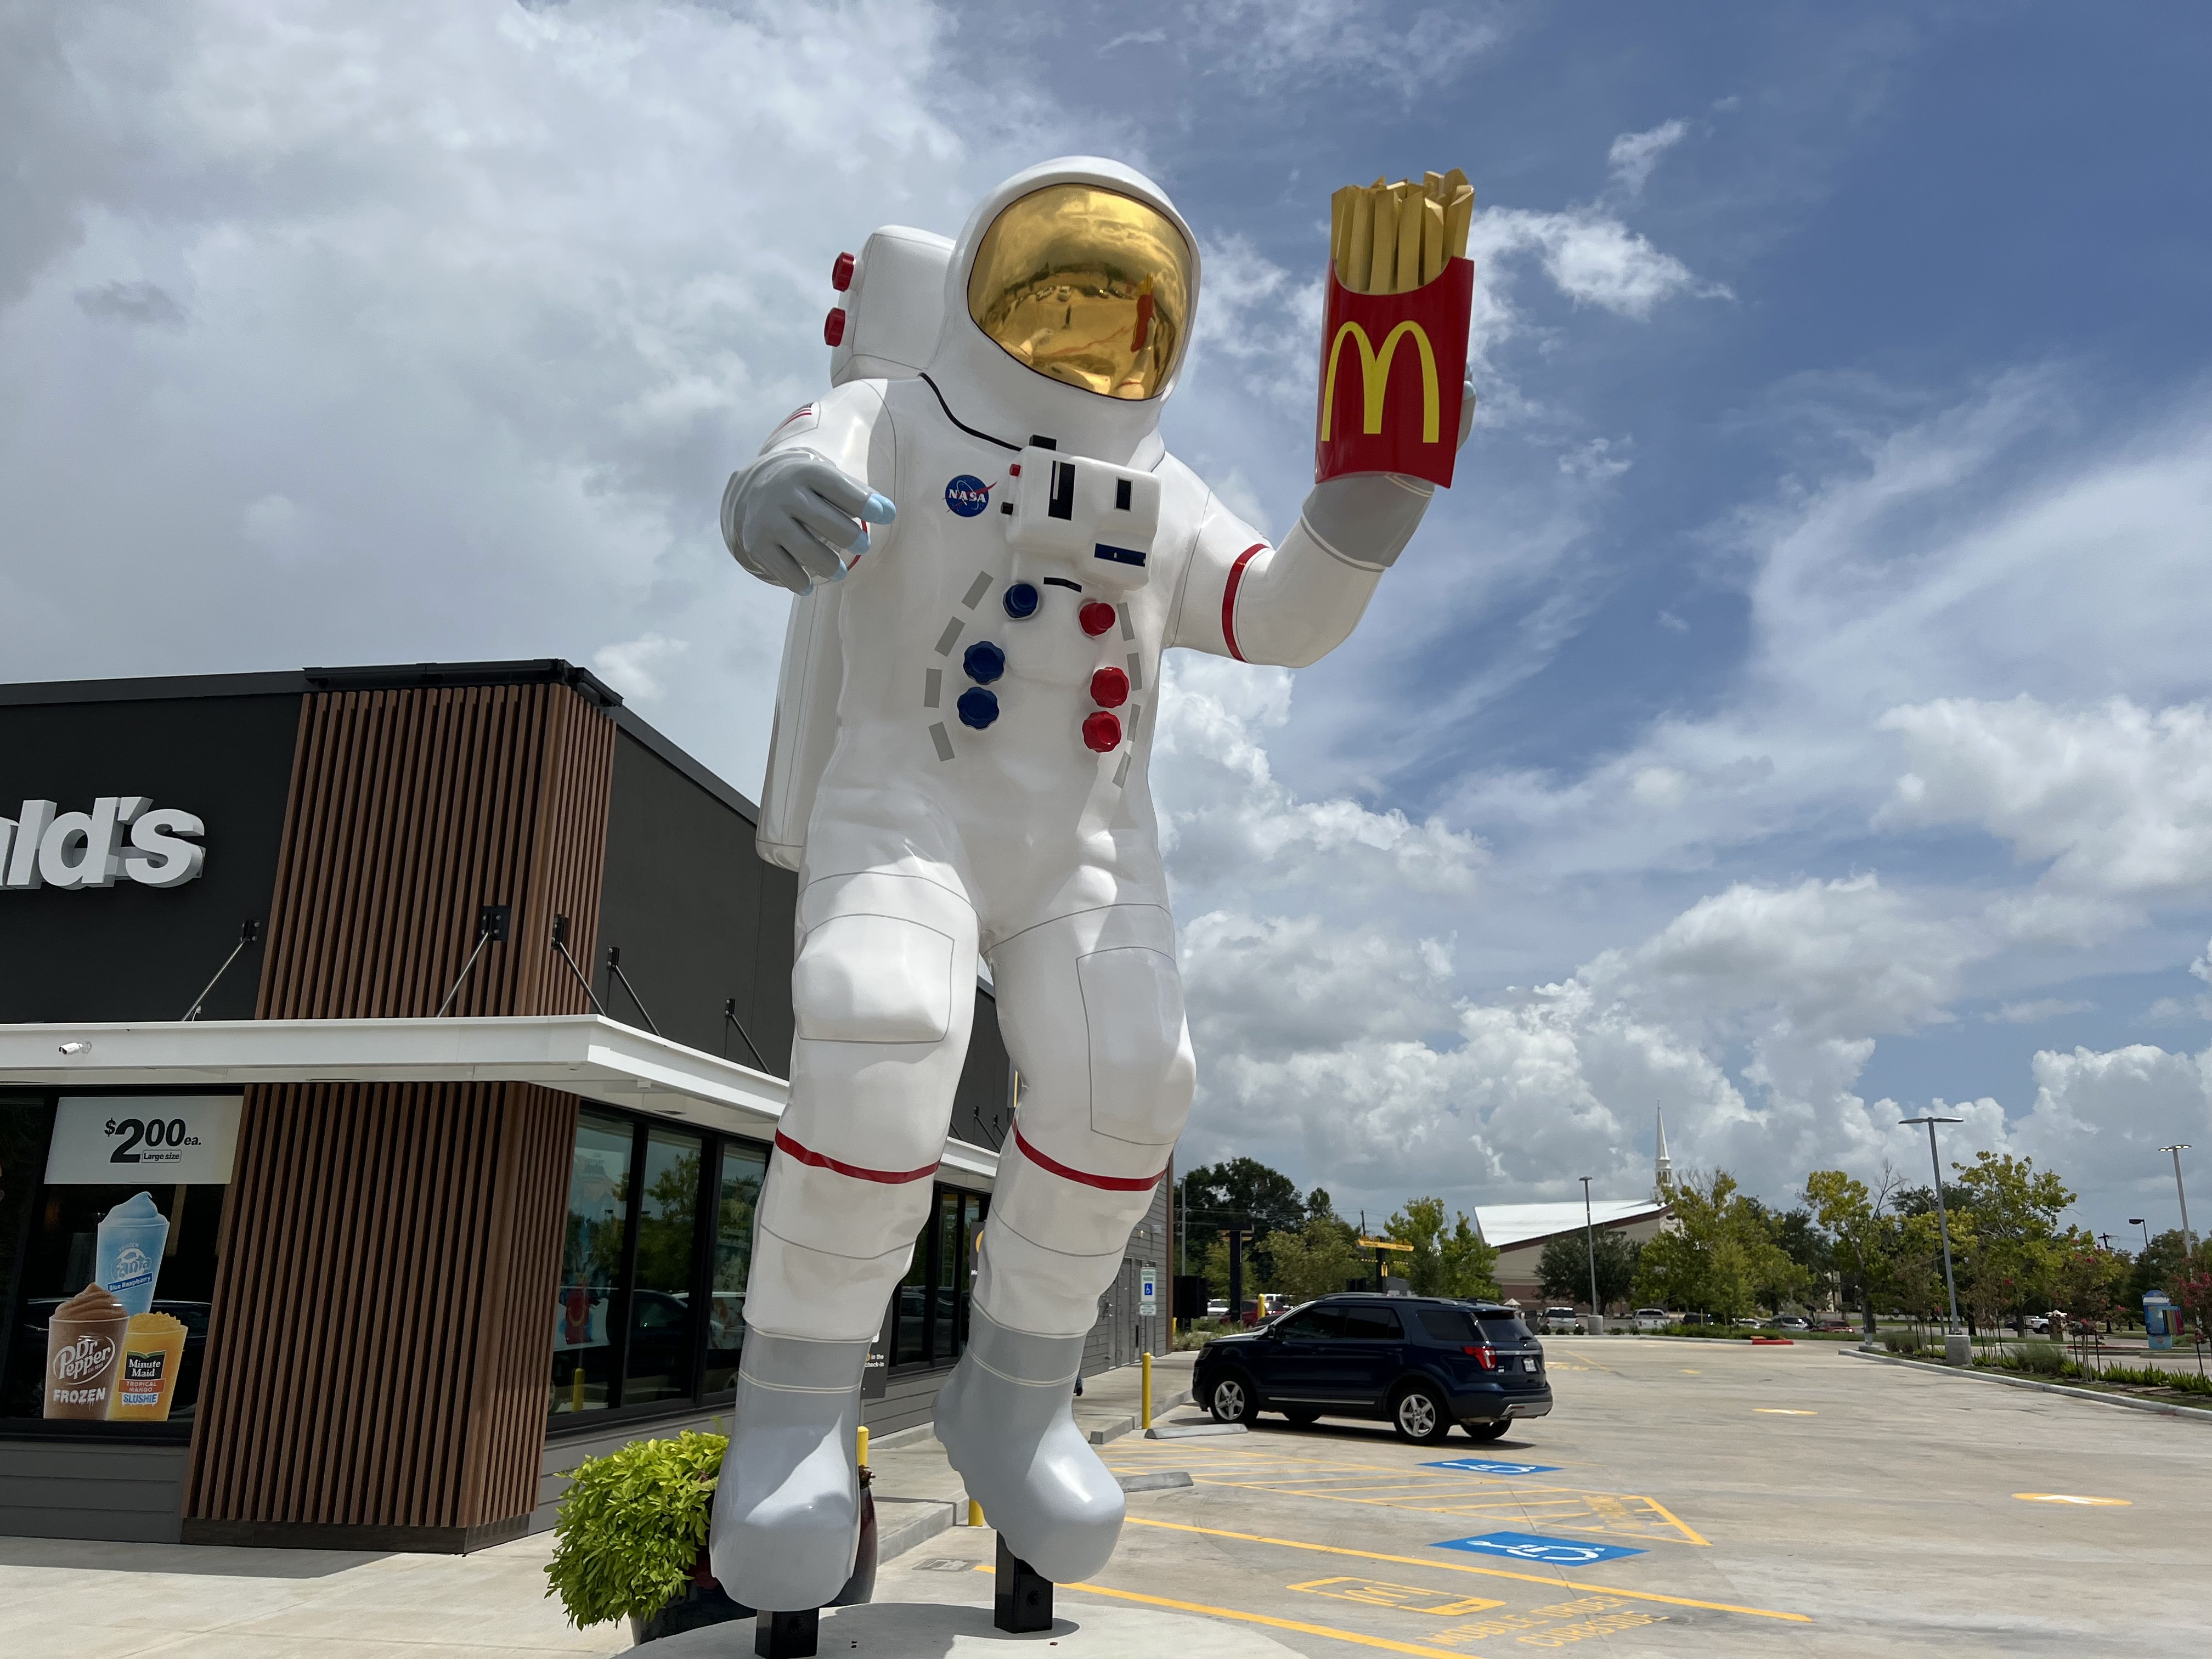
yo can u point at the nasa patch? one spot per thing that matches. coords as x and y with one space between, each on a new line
967 495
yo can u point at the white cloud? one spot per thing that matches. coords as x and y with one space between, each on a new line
1633 155
2042 1008
1592 257
634 666
2114 800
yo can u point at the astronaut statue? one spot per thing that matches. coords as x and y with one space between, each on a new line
992 548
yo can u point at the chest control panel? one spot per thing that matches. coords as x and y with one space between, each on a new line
1095 519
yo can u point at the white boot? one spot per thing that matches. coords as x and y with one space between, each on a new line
1004 1422
787 1508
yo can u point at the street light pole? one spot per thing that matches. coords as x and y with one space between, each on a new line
2138 1221
1589 1246
2188 1243
1943 1221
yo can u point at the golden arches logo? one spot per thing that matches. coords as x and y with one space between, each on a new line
1375 378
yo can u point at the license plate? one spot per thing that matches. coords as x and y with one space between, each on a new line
1532 1365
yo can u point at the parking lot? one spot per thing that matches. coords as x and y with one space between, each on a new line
1685 1498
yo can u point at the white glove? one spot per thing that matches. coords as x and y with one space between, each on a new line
1370 516
792 517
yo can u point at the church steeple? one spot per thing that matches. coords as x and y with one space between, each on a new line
1662 1169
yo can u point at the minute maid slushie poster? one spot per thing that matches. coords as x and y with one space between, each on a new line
109 1355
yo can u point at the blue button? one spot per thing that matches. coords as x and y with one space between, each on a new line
984 662
1021 600
978 707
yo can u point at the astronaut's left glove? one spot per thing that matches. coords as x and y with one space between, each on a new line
1368 517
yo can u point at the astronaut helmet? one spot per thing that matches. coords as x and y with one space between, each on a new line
1069 298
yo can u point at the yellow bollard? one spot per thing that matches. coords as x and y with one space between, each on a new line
862 1459
974 1513
1147 1423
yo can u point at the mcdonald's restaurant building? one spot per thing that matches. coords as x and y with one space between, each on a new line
389 1060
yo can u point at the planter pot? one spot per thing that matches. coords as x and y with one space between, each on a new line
704 1604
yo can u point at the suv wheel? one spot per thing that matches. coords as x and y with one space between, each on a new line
1488 1430
1231 1399
1419 1415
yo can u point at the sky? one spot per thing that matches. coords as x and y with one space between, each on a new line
1797 715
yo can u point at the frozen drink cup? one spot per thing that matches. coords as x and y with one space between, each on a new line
146 1380
84 1346
132 1238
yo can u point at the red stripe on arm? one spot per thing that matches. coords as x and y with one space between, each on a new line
1229 598
888 1177
1106 1183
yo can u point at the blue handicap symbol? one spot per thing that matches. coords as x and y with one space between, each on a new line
1527 1547
1493 1466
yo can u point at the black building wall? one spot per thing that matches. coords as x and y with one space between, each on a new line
220 747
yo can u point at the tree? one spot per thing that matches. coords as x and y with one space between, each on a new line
2158 1269
2013 1209
1445 1260
1316 1258
1243 1192
1563 1269
1851 1214
2088 1280
1719 1257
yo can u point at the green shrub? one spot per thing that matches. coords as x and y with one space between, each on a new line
1903 1342
2041 1359
632 1524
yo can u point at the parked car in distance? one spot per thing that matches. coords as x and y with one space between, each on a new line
1653 1319
1421 1363
1561 1321
1217 1308
1790 1322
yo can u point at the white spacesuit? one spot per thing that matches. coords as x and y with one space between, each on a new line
959 768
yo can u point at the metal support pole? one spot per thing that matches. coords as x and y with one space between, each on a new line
1942 1220
1589 1246
2188 1241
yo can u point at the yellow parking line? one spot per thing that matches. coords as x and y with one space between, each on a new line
1487 1572
1268 1619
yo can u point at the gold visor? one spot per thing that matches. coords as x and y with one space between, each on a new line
1086 285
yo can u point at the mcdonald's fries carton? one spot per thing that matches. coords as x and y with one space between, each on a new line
1394 335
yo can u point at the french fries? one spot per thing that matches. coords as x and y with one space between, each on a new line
1392 239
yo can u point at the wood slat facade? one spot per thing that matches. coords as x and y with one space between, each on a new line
381 1310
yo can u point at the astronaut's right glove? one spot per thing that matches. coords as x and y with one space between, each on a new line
792 517
1368 517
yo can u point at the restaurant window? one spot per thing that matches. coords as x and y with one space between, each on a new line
591 1264
111 1212
649 1311
927 1322
743 1165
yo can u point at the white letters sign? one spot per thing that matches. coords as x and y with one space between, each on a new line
120 839
155 1141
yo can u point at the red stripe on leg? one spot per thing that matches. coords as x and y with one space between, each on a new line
1229 598
1108 1183
888 1177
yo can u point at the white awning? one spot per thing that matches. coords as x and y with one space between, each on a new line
584 1055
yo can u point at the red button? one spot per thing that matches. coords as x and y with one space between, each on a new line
1102 731
833 327
1097 618
1109 688
840 273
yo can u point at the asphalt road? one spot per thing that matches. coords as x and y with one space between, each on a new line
1699 1498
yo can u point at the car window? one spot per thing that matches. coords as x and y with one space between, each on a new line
1446 1324
1503 1327
1369 1324
1312 1325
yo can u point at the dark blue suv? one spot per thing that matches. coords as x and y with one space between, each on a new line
1420 1363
